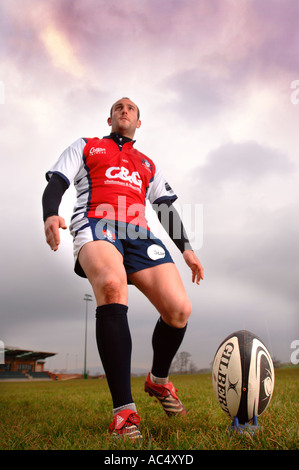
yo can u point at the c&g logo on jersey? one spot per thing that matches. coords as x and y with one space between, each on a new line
122 173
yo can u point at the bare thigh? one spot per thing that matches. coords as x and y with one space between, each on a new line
163 286
103 266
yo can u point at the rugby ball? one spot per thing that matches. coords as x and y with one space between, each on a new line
243 376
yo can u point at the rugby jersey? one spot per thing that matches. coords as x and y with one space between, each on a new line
113 180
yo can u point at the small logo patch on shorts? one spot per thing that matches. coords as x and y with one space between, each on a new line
155 252
109 235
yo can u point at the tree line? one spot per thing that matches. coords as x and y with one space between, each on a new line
183 364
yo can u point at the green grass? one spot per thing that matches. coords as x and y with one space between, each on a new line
75 415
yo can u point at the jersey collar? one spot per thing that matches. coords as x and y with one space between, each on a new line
119 139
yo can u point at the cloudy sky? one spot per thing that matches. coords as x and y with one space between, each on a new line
213 80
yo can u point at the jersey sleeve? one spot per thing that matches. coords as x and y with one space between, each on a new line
69 163
159 190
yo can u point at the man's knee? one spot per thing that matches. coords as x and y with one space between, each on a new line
178 317
111 289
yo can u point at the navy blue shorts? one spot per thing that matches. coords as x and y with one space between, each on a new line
139 247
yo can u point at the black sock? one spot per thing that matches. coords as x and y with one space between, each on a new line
166 342
115 348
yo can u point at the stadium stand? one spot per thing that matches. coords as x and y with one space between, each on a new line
21 364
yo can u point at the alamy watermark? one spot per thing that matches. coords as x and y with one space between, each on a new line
294 97
191 216
295 354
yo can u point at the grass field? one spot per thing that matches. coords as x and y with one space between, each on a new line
75 415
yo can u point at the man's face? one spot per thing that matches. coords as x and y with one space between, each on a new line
124 118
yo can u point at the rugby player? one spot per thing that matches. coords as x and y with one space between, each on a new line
114 247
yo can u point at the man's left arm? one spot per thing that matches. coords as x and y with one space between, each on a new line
172 223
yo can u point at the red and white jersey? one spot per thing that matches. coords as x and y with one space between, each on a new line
111 181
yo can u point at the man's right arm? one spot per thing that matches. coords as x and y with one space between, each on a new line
51 200
52 226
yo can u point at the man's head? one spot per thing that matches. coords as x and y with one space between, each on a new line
124 117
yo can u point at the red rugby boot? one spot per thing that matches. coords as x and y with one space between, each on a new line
166 394
125 424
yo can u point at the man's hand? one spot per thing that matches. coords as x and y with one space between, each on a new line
52 226
194 264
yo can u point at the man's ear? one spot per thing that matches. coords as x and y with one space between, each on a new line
138 124
109 121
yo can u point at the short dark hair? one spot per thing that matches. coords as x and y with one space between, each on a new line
125 98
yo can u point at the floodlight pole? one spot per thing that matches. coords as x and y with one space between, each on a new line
87 298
